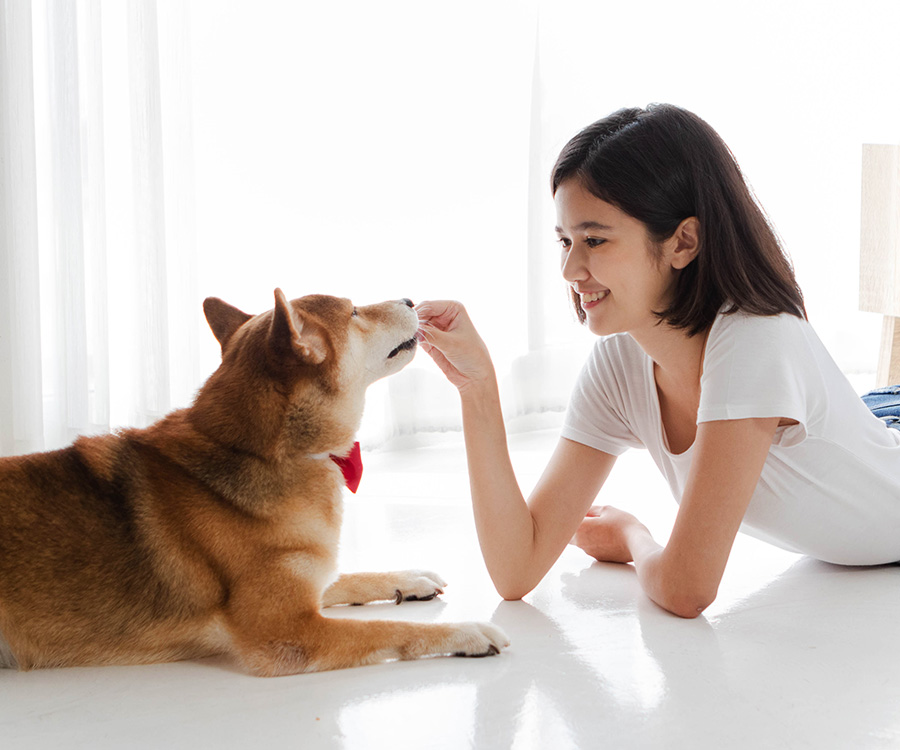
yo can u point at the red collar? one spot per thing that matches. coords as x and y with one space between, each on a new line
351 466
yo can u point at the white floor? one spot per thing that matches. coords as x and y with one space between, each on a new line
793 654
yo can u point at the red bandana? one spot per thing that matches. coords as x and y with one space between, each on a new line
351 465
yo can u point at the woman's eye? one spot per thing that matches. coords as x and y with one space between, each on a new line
591 242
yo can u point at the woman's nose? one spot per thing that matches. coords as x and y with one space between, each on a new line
572 266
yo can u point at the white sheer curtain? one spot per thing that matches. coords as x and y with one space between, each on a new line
98 248
156 152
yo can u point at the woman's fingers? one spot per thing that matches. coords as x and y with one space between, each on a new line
602 536
428 338
448 336
444 315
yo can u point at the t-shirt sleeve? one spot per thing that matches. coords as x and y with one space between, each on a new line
759 367
597 410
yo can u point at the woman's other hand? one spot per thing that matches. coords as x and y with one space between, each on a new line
446 333
603 534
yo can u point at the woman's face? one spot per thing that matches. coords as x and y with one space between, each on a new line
607 258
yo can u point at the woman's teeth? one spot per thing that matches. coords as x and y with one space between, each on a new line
594 296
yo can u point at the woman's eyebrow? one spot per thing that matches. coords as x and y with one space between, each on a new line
588 225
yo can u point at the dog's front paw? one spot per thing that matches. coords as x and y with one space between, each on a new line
480 639
404 585
418 585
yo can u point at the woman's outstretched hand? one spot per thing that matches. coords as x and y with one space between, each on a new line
446 333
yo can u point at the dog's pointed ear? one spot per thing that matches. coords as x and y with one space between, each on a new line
291 334
223 319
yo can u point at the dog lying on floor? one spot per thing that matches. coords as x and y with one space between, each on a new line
215 530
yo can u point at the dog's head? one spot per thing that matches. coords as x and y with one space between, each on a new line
307 363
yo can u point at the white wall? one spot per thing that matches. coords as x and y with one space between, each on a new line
382 150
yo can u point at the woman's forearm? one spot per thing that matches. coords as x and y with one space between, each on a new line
516 549
502 518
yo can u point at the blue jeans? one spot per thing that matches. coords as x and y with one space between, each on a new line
884 403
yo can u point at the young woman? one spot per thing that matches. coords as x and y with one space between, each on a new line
706 360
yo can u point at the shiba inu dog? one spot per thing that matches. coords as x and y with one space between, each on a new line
215 530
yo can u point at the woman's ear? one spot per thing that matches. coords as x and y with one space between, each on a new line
685 243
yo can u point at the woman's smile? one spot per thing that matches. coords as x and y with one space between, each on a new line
592 299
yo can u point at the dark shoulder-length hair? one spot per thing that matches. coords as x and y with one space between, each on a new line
664 164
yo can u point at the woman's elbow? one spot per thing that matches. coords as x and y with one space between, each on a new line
512 591
687 599
687 604
687 610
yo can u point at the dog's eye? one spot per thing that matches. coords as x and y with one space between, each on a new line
355 313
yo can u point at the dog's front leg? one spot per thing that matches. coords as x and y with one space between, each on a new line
361 588
319 643
276 629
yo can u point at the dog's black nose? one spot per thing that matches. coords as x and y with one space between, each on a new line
407 302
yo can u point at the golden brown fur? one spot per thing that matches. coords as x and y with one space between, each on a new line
216 529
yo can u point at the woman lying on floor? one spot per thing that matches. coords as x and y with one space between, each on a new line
714 369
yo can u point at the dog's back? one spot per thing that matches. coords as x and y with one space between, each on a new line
86 562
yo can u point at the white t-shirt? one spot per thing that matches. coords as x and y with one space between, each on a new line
830 487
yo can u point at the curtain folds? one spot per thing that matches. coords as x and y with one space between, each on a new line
98 238
21 428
